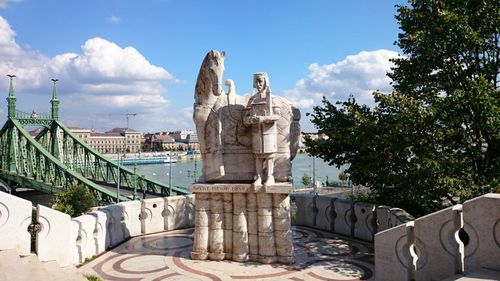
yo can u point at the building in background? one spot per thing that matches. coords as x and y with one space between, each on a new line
184 140
117 140
163 142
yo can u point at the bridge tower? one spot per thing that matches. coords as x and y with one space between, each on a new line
11 99
55 101
55 158
11 113
54 128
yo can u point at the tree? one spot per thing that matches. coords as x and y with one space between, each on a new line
436 137
343 177
306 180
74 201
145 147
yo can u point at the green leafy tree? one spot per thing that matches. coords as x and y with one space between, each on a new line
306 180
145 147
343 177
74 201
436 137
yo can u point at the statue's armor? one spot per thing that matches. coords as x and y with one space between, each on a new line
263 134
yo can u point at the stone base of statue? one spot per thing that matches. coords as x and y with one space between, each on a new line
242 222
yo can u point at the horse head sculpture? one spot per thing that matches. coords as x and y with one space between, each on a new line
209 82
208 88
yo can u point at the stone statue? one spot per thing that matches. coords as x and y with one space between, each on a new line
242 208
262 115
225 134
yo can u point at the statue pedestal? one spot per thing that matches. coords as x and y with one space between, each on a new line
241 222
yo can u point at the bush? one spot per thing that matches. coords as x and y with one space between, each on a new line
92 277
366 197
74 201
306 180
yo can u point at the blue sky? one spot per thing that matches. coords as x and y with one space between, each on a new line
143 57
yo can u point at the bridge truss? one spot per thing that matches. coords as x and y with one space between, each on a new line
55 159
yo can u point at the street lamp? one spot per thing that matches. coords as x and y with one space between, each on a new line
120 150
135 181
118 180
170 173
315 188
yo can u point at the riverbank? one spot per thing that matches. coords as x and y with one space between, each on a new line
334 191
188 169
182 155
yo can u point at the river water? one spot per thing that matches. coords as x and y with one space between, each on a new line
185 171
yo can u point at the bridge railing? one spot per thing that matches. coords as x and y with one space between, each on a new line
33 115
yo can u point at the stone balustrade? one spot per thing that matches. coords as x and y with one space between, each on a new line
72 240
458 239
353 219
461 238
15 217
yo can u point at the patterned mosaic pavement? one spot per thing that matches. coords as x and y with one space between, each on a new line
165 256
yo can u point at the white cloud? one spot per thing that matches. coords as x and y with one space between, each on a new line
8 45
359 75
4 3
123 101
103 61
27 65
103 78
187 112
114 19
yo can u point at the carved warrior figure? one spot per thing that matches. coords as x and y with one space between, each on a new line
231 128
263 116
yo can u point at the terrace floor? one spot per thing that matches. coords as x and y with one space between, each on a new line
165 256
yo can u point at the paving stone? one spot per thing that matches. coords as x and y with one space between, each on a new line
319 256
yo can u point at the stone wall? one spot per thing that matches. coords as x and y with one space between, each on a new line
72 240
353 219
458 239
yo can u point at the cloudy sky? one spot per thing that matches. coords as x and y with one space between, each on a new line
112 57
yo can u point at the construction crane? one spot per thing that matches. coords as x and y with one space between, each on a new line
127 116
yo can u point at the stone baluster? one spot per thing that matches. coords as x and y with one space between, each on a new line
216 235
253 229
228 225
202 210
240 232
282 228
267 249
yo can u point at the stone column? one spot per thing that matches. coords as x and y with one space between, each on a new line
216 235
253 228
282 228
240 232
267 249
202 211
228 225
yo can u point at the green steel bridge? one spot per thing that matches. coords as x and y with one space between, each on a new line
55 158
